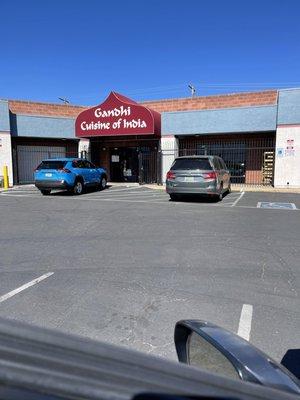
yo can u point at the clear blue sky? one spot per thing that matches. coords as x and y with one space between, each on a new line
146 49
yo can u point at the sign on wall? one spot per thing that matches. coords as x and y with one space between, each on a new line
118 115
115 158
280 152
290 150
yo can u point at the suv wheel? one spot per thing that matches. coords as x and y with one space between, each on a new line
103 183
78 187
45 192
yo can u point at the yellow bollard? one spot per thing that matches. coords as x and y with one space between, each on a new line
5 177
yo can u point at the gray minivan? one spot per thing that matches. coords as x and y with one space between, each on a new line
206 175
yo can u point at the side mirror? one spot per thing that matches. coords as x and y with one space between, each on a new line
214 349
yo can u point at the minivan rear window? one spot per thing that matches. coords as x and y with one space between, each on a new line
52 165
192 163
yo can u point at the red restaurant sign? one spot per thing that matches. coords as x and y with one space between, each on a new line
117 116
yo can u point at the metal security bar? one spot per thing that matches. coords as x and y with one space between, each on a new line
150 167
250 161
25 160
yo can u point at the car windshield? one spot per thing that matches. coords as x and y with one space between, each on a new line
52 165
192 163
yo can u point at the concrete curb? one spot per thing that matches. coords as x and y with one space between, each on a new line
235 188
240 188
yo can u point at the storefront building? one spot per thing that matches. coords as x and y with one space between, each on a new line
257 134
123 137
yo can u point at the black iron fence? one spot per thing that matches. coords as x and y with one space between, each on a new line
250 161
150 167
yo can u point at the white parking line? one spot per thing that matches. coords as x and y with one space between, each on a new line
245 321
230 198
238 199
112 199
30 193
128 195
122 190
20 195
20 191
25 286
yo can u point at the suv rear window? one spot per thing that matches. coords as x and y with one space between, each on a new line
52 165
192 163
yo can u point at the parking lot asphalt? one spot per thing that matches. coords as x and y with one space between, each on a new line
128 263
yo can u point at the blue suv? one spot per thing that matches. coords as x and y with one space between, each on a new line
73 174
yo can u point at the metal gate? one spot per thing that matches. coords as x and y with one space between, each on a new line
249 160
27 158
149 166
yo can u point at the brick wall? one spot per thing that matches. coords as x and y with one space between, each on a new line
33 108
197 103
212 102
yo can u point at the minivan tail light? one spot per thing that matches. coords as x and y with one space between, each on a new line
171 175
209 175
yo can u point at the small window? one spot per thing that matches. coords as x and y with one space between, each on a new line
78 164
217 164
192 164
88 164
52 165
223 164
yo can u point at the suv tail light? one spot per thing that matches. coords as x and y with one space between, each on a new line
66 170
210 175
171 175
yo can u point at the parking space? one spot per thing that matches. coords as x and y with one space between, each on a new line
141 194
251 199
128 263
89 301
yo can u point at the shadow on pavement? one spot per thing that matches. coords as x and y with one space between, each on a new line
86 191
198 198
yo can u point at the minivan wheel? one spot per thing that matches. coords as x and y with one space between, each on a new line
173 196
78 188
220 195
45 192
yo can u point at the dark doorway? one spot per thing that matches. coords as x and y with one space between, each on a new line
128 159
124 164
